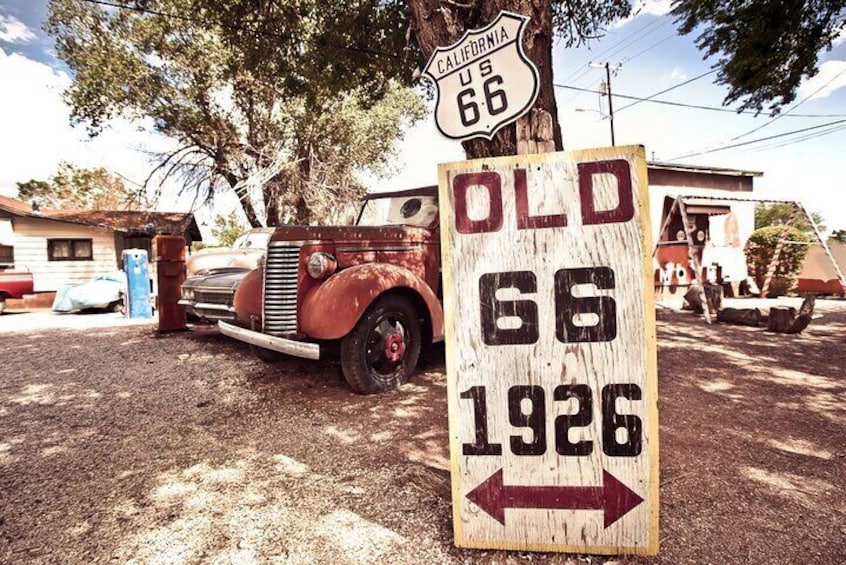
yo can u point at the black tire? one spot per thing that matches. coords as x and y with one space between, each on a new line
381 352
266 355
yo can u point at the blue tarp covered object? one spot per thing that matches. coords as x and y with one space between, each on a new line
102 291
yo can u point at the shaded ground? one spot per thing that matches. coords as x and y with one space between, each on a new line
117 445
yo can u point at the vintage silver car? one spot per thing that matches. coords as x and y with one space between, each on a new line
208 294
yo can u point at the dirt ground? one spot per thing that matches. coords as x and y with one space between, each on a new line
117 445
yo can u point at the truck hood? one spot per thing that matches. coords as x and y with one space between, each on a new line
225 280
243 258
354 234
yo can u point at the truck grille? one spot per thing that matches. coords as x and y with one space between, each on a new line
207 297
281 269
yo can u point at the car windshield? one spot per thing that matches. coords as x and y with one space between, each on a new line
252 241
418 211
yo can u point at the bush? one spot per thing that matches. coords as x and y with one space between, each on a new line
759 251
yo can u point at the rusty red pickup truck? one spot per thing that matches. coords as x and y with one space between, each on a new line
369 293
14 284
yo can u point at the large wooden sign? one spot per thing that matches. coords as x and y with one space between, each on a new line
484 81
551 352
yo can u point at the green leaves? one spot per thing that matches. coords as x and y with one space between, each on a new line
244 86
764 48
72 188
760 250
777 214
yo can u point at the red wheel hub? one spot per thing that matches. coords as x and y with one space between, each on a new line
394 347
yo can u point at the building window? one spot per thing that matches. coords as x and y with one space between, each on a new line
7 255
70 249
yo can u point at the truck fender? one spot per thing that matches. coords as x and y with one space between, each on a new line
331 310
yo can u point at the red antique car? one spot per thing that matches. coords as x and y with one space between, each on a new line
14 284
370 291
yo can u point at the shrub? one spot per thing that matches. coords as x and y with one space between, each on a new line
760 249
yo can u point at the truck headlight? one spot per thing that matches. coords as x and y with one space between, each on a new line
321 265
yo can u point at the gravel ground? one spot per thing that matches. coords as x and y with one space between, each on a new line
118 445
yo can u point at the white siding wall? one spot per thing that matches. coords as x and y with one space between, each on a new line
31 235
745 211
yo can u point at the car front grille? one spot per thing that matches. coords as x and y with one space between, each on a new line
205 297
281 269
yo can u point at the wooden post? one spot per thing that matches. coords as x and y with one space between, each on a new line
534 133
665 225
771 268
694 260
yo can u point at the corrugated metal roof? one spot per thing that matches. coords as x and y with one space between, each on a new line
701 169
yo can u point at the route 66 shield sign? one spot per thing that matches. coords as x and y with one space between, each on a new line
484 81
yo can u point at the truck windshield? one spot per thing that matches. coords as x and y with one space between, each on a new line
418 211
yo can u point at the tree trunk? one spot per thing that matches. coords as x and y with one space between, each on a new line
244 199
436 23
740 316
271 191
781 317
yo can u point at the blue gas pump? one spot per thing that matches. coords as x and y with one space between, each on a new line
135 263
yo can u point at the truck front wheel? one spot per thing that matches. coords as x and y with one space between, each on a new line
381 352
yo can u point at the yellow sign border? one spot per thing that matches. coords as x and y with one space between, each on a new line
651 384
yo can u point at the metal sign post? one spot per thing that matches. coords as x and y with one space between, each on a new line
551 353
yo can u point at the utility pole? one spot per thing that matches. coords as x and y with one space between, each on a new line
608 69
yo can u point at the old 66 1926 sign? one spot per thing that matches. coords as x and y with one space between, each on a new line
484 81
551 352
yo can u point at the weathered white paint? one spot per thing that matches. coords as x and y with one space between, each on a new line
30 242
744 211
629 358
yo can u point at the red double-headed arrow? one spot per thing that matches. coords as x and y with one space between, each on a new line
613 497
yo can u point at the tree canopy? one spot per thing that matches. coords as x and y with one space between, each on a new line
284 106
760 250
777 214
73 188
763 48
226 229
283 101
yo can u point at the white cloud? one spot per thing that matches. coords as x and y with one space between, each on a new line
678 75
653 7
38 135
12 30
646 8
831 77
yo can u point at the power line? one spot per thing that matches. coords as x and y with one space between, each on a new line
653 46
760 139
152 12
785 113
773 120
693 106
679 85
806 137
622 43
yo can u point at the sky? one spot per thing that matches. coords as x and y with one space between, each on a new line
809 166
